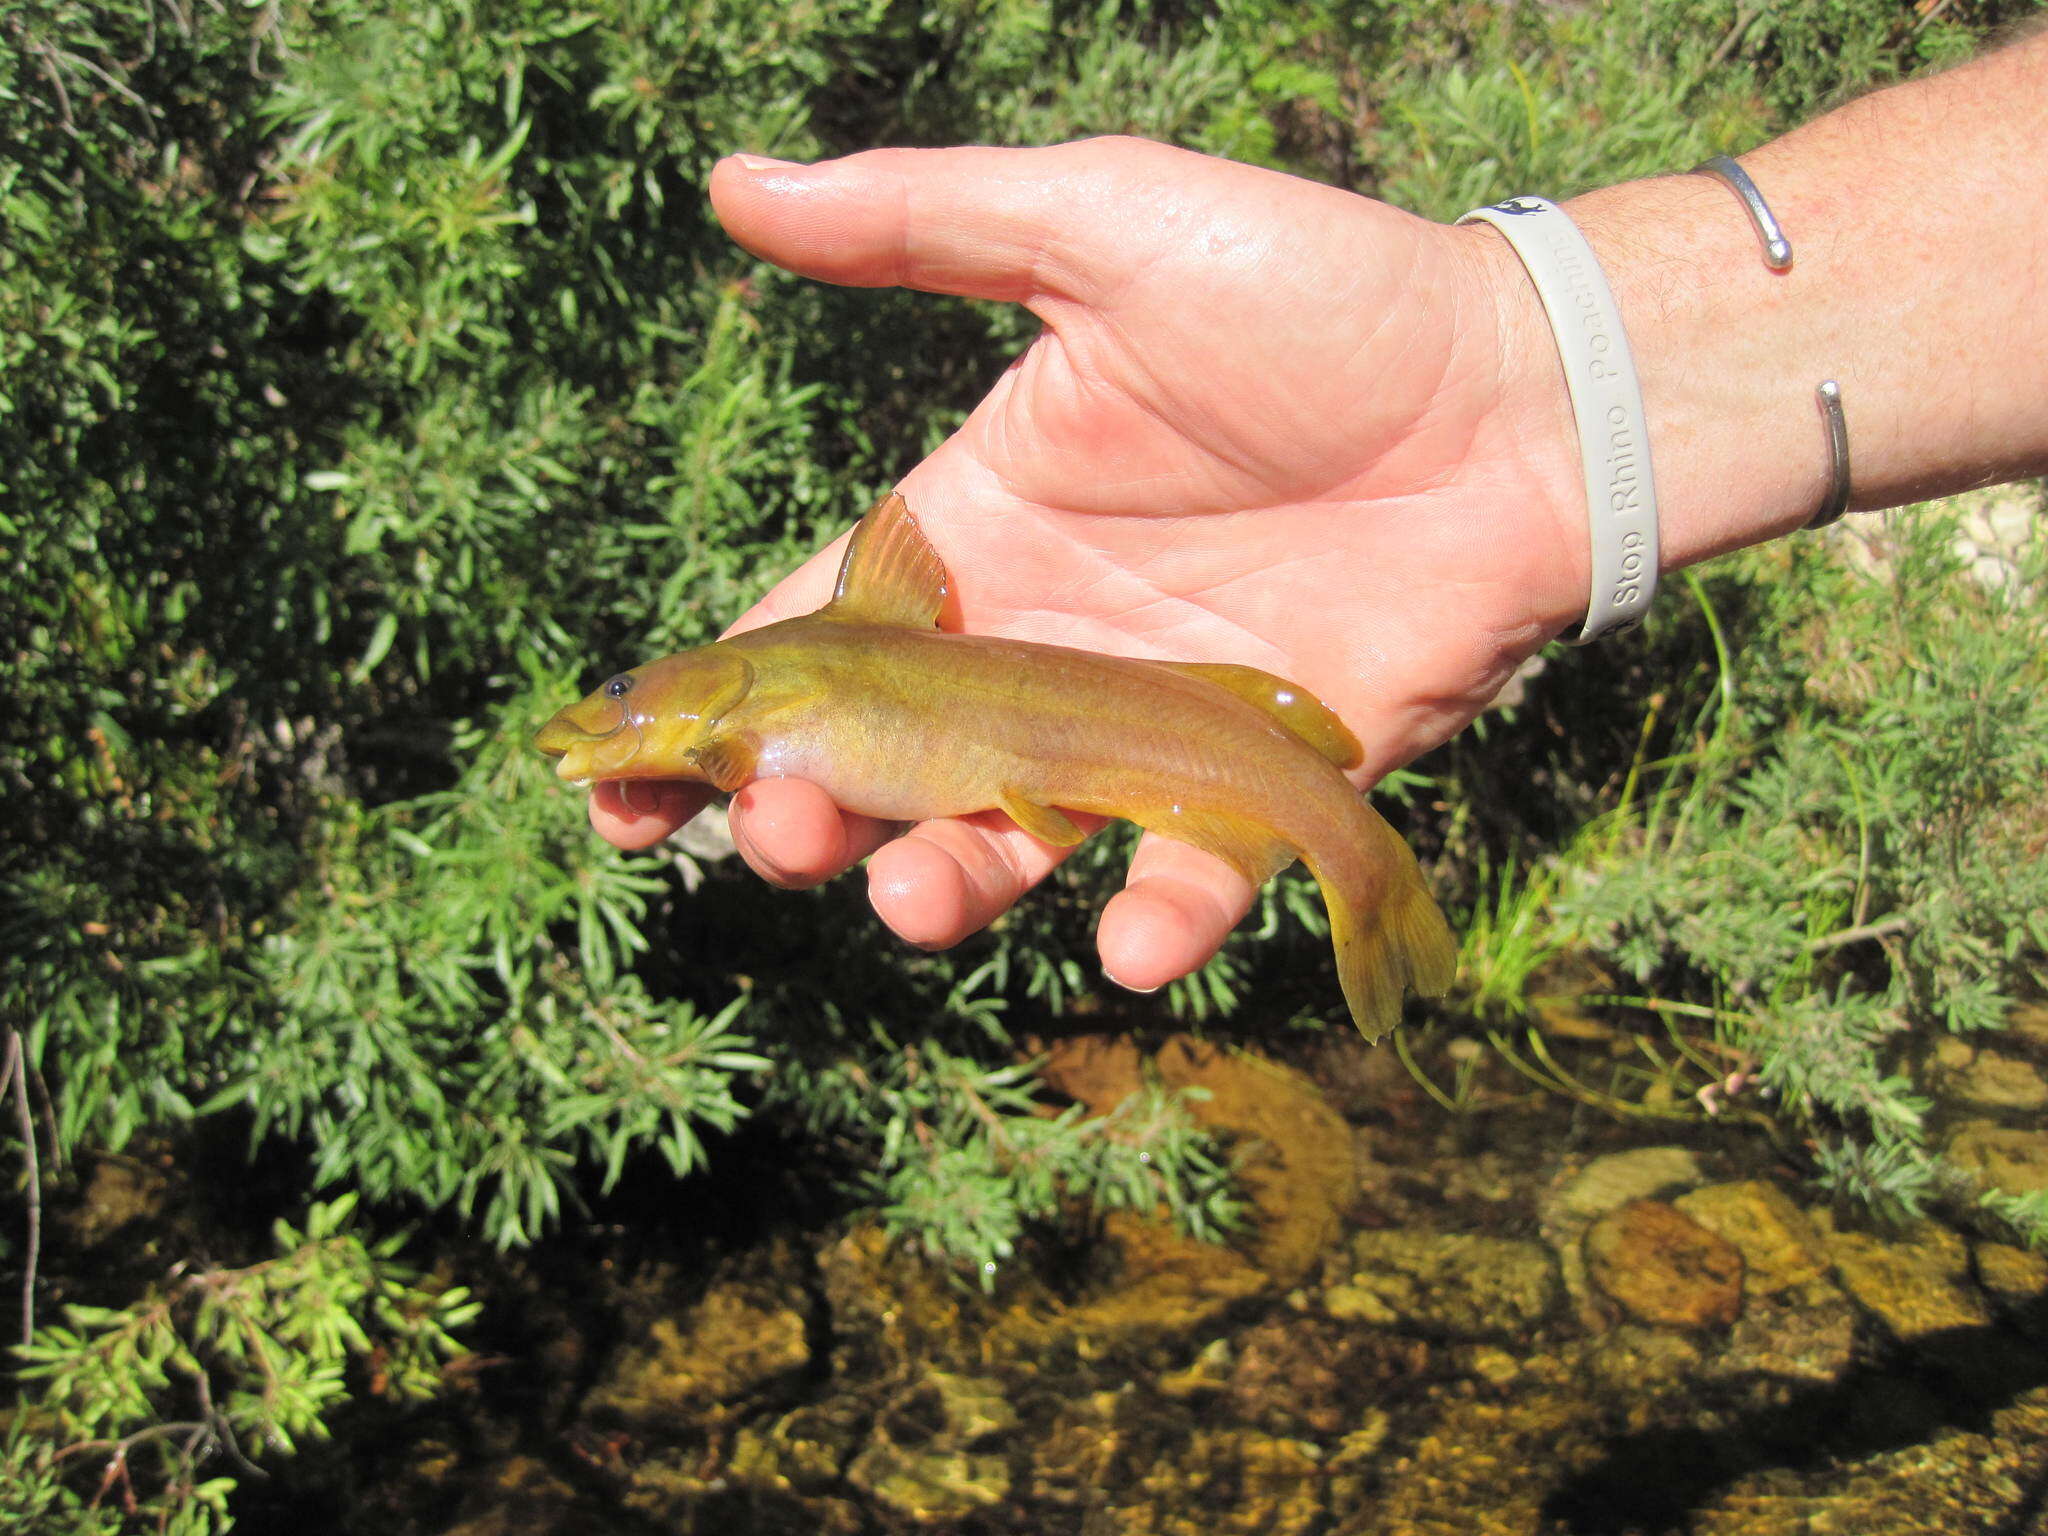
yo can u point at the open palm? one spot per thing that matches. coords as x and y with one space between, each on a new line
1265 424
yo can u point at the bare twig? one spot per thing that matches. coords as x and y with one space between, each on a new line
1883 928
14 1077
1743 18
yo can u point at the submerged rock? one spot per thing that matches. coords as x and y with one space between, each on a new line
804 1451
1780 1248
523 1498
2017 1279
1974 1074
1916 1286
1634 1361
1228 1482
1805 1344
1578 1198
1662 1267
927 1485
2028 1022
2005 1157
1446 1282
1608 1183
933 1453
1470 1472
745 1339
1294 1152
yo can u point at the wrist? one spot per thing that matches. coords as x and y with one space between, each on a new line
1727 371
1531 430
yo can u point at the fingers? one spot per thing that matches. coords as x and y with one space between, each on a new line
1176 908
985 223
792 835
947 879
944 880
638 813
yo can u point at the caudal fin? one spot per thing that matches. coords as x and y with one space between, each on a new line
1388 942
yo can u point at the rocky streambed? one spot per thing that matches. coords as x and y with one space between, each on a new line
1522 1322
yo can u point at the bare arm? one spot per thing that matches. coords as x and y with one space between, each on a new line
1336 404
1920 282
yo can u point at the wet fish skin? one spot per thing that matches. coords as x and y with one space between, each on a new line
896 719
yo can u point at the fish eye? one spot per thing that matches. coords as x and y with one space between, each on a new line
618 687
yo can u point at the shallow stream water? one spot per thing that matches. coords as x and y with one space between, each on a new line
1530 1320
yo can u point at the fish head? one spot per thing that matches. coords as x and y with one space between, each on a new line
647 723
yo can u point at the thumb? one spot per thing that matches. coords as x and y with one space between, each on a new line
1010 224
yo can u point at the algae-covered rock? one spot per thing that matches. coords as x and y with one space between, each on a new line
1227 1482
1210 1372
805 1450
2006 1157
889 1313
945 1409
1297 1374
1662 1267
1634 1360
928 1455
1295 1161
929 1485
1779 1246
2017 1280
1579 1197
1072 1463
1294 1152
1810 1343
1974 1074
744 1339
2028 1022
1916 1286
1481 1468
119 1190
1446 1282
1608 1183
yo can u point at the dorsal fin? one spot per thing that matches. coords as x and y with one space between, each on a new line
1293 706
891 573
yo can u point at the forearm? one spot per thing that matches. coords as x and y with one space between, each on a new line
1920 282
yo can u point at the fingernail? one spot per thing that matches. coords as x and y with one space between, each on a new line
765 163
765 867
640 799
1141 991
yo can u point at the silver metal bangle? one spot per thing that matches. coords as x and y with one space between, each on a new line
1829 393
1778 257
1777 249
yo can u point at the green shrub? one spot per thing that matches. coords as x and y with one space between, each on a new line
374 377
1853 848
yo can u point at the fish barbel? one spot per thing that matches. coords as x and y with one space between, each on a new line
896 719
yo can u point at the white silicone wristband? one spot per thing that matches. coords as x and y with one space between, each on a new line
1607 403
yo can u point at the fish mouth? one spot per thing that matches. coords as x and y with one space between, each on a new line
571 746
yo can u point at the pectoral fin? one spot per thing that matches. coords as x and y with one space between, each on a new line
891 573
1294 707
1047 823
728 762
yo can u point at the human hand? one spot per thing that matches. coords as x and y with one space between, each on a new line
1268 422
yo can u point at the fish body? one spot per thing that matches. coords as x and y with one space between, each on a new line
896 719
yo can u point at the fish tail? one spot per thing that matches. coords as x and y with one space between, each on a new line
1389 934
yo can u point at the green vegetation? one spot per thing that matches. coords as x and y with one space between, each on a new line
372 378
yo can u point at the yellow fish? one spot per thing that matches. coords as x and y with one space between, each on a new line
897 719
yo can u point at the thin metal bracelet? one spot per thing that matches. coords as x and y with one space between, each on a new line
1778 257
1777 249
1829 393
